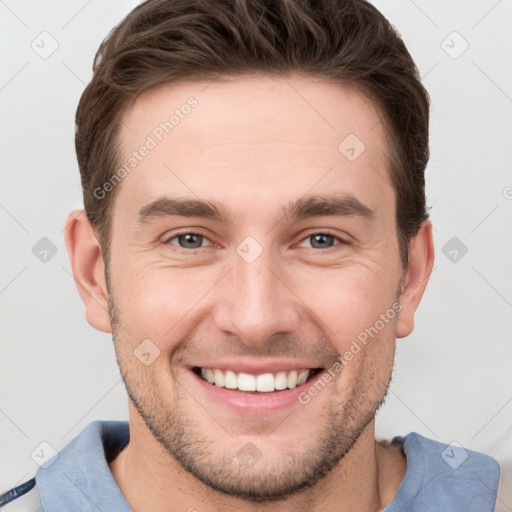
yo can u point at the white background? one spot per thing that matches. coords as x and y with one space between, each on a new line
452 379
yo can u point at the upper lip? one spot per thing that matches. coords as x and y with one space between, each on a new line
256 367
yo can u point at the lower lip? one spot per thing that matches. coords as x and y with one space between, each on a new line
253 403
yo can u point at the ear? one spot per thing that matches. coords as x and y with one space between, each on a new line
88 269
421 261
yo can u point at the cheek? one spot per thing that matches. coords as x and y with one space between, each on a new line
347 301
159 302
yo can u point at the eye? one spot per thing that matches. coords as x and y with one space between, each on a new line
188 240
324 240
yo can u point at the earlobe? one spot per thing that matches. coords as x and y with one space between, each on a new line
88 269
421 261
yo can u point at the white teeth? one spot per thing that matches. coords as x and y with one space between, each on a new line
291 381
230 380
264 383
302 377
246 382
219 378
280 382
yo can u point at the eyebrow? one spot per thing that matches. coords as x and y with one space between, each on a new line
341 205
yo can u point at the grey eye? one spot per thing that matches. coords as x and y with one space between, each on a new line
320 241
189 240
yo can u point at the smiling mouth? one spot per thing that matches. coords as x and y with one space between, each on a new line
261 383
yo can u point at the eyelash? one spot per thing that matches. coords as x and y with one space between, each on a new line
324 232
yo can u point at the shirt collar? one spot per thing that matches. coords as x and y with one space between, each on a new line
79 478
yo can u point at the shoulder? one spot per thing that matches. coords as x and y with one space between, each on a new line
450 476
22 498
85 457
452 456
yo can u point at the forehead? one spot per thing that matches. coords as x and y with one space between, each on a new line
254 138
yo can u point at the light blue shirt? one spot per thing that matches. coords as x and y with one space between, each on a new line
439 477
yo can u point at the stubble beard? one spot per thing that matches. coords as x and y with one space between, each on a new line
270 479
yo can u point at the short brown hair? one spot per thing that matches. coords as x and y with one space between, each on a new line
346 41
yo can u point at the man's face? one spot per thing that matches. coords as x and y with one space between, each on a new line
257 291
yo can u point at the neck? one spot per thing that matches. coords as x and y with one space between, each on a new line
365 480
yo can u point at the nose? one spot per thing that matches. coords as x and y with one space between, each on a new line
256 302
